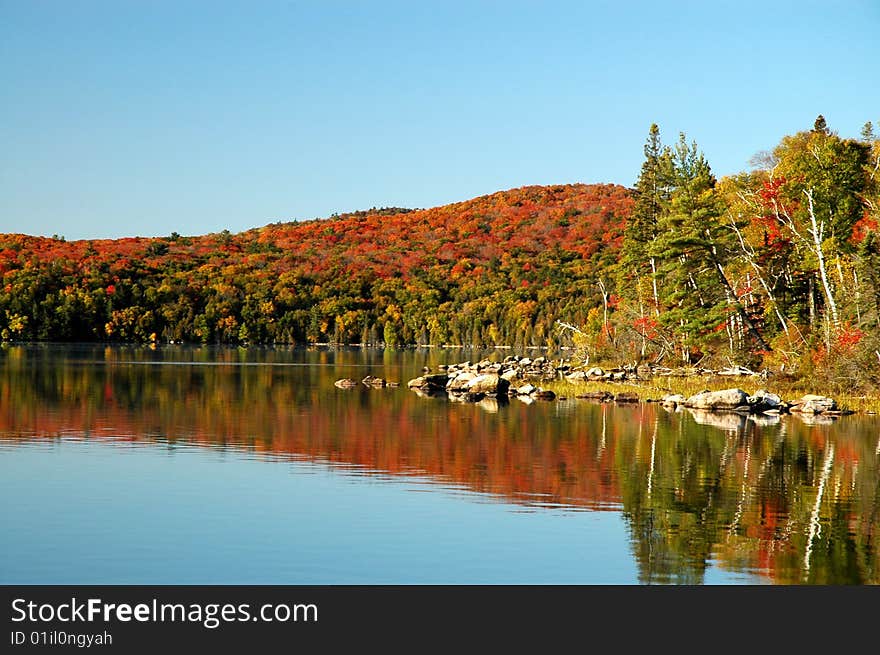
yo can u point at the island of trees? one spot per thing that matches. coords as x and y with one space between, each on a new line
775 267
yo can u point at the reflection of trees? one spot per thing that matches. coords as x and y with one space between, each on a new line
797 502
793 500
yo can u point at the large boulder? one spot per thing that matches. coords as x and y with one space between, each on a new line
490 384
725 399
460 381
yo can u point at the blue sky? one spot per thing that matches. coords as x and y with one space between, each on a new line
123 118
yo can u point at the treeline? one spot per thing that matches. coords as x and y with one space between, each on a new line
778 266
499 269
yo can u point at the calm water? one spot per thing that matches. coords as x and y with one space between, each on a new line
203 465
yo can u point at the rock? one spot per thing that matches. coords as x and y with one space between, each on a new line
673 400
490 384
577 376
526 390
460 381
345 383
595 373
510 375
763 400
372 381
601 396
725 399
543 394
813 404
436 382
626 397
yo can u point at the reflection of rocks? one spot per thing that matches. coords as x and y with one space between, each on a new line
345 383
724 420
765 420
491 405
377 383
816 419
428 393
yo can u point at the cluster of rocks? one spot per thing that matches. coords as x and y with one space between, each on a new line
487 379
369 381
520 377
761 402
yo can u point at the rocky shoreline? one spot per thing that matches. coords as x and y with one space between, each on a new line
521 377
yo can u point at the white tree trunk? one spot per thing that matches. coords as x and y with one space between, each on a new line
817 229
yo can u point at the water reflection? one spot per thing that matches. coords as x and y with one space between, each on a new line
795 500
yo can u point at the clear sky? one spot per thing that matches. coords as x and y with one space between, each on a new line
126 118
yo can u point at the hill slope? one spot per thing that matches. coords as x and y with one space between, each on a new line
498 269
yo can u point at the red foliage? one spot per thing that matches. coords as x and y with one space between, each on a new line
647 326
862 227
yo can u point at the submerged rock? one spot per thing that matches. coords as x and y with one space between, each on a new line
601 396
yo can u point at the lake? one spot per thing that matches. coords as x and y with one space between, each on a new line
204 465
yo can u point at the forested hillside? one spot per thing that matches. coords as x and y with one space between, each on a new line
499 269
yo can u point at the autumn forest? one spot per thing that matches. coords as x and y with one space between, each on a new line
775 267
